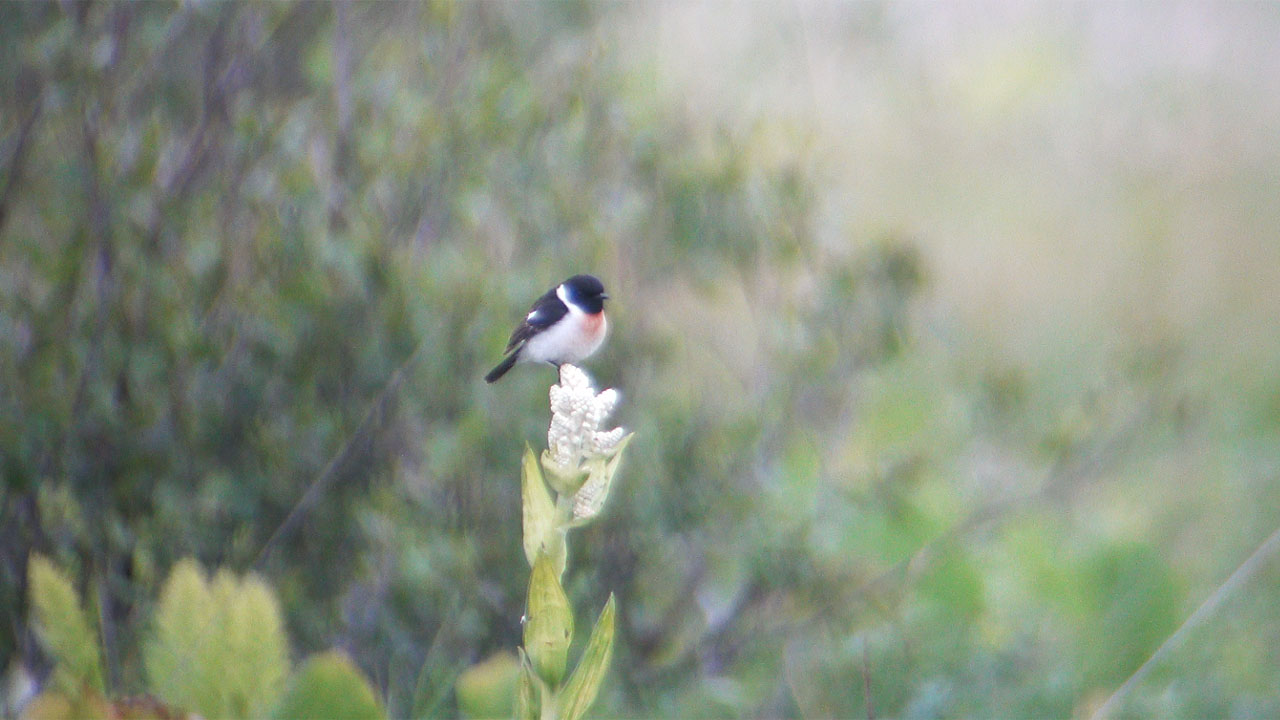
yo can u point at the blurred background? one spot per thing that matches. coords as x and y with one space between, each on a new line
948 333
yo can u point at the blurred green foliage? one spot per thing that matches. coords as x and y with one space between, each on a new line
255 257
327 685
64 629
487 689
219 647
217 650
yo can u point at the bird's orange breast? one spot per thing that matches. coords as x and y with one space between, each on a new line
594 328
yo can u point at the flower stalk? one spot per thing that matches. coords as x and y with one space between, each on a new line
564 488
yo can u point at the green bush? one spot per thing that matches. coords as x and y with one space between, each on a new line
216 649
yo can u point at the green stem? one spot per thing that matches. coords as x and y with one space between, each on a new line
550 704
564 509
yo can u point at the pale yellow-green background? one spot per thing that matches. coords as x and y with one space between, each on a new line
948 332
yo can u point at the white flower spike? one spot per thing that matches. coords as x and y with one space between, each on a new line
577 412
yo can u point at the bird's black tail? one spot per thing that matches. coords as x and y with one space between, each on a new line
502 368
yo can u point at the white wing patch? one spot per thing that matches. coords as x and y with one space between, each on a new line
533 315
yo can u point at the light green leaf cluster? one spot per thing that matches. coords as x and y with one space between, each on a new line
329 686
64 629
219 647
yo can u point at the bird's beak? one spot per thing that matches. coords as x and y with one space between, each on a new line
604 296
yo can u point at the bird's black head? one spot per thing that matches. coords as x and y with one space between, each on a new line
587 292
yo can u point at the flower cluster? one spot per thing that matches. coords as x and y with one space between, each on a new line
576 415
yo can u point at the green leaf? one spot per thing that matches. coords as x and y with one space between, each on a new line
64 629
953 584
219 648
436 679
580 692
526 691
254 650
616 457
184 627
329 686
549 627
1131 596
540 533
487 689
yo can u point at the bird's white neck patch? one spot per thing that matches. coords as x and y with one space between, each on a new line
563 293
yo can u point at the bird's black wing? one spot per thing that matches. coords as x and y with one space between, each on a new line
544 313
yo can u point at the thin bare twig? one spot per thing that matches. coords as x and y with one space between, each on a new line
1242 575
373 416
1071 469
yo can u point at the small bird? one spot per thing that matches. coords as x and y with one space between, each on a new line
565 325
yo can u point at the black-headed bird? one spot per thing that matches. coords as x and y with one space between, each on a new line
566 325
